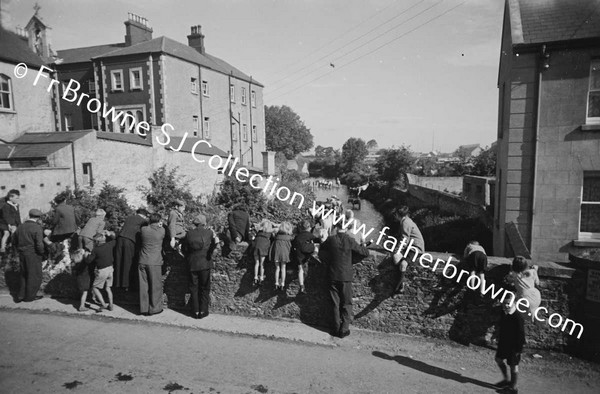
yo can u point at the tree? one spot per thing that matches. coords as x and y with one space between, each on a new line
286 132
372 144
354 152
393 163
485 163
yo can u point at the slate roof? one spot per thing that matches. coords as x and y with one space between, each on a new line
545 21
15 49
171 47
52 137
82 55
132 138
30 151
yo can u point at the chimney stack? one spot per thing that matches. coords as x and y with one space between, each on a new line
196 39
136 30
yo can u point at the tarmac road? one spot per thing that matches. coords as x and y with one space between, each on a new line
48 353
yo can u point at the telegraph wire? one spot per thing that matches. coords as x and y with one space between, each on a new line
368 42
372 51
345 45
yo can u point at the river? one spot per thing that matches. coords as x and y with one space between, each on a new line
367 214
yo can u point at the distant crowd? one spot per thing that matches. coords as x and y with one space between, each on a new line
103 261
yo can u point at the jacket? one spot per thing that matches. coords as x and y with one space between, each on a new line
93 226
199 245
152 237
239 224
338 251
175 223
131 227
103 255
410 230
29 238
303 245
10 215
64 220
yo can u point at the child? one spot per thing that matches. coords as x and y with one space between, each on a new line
10 217
280 253
303 248
261 245
525 278
83 277
176 225
476 260
511 338
93 226
103 258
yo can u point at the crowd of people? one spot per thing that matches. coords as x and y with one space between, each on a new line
134 257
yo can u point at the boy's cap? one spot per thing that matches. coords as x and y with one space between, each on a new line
179 203
35 213
100 212
200 219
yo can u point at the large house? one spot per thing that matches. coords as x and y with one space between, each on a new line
49 140
548 174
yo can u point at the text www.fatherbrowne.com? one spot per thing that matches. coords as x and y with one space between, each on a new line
71 94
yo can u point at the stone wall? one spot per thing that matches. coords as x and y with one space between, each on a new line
449 184
445 202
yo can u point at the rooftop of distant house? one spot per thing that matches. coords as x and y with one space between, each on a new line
546 21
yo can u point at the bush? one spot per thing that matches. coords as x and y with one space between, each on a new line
112 200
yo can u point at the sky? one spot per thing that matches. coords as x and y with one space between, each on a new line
420 73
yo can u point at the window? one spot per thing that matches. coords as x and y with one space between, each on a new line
92 86
194 85
135 79
245 132
254 134
589 226
253 98
116 78
132 115
94 121
206 128
244 96
68 122
71 95
593 113
88 179
232 93
205 91
467 188
5 92
234 131
196 123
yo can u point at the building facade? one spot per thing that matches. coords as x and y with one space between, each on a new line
548 172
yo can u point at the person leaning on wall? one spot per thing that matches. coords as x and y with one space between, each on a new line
410 232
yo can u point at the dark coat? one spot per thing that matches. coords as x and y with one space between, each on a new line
131 227
239 224
64 220
199 245
152 237
338 250
29 238
9 215
302 245
511 335
103 255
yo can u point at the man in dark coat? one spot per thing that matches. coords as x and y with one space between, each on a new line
30 245
126 247
239 224
199 245
338 251
65 224
10 217
150 269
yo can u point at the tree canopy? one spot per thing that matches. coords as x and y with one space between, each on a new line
372 144
286 132
354 152
393 163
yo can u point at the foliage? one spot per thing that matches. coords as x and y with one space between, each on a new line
353 179
326 152
166 186
280 162
286 132
326 164
485 163
233 192
392 163
372 144
112 200
85 203
354 152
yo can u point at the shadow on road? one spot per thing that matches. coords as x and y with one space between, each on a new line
432 370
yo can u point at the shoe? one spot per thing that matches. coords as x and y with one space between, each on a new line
510 390
399 290
34 299
156 313
344 334
83 309
260 282
110 307
18 300
334 333
255 282
203 315
301 291
196 315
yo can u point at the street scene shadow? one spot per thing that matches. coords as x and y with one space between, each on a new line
382 285
432 370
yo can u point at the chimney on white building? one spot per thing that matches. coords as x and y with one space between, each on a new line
196 39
